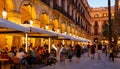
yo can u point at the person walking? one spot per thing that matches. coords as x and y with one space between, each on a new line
93 51
62 53
70 53
99 50
111 53
88 49
78 52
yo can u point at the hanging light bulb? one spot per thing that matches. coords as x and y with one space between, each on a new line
65 32
4 13
47 26
58 30
31 22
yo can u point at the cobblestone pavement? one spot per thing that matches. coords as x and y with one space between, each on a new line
86 63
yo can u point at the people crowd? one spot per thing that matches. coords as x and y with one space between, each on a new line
62 52
98 48
38 55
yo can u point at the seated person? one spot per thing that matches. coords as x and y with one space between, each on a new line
32 55
21 55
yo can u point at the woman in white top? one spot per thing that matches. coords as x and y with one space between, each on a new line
21 55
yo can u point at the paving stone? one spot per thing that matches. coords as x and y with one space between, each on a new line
86 63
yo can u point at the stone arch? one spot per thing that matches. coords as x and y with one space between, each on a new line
55 24
76 31
63 27
28 11
9 6
68 29
72 31
44 19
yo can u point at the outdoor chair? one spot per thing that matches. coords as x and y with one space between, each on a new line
17 63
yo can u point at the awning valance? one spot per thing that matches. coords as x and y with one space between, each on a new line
13 26
39 30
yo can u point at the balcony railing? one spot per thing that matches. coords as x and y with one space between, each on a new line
47 2
60 9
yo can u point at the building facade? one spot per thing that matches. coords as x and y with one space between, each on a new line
99 21
71 17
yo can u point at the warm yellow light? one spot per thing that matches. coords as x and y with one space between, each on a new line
4 14
70 34
58 30
31 22
65 32
46 26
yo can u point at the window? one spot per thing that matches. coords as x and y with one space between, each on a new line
63 4
96 28
104 14
68 8
79 20
105 27
96 15
95 31
112 14
55 2
79 7
96 24
72 12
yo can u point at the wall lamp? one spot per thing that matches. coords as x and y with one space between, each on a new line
4 12
27 23
46 27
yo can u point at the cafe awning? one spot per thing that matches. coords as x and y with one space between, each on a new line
8 26
63 36
41 32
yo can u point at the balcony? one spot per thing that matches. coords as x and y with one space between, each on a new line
47 2
72 1
60 9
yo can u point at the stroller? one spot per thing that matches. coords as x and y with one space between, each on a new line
52 57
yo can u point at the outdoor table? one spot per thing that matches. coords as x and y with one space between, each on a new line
2 59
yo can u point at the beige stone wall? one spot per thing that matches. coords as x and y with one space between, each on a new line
102 13
17 13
